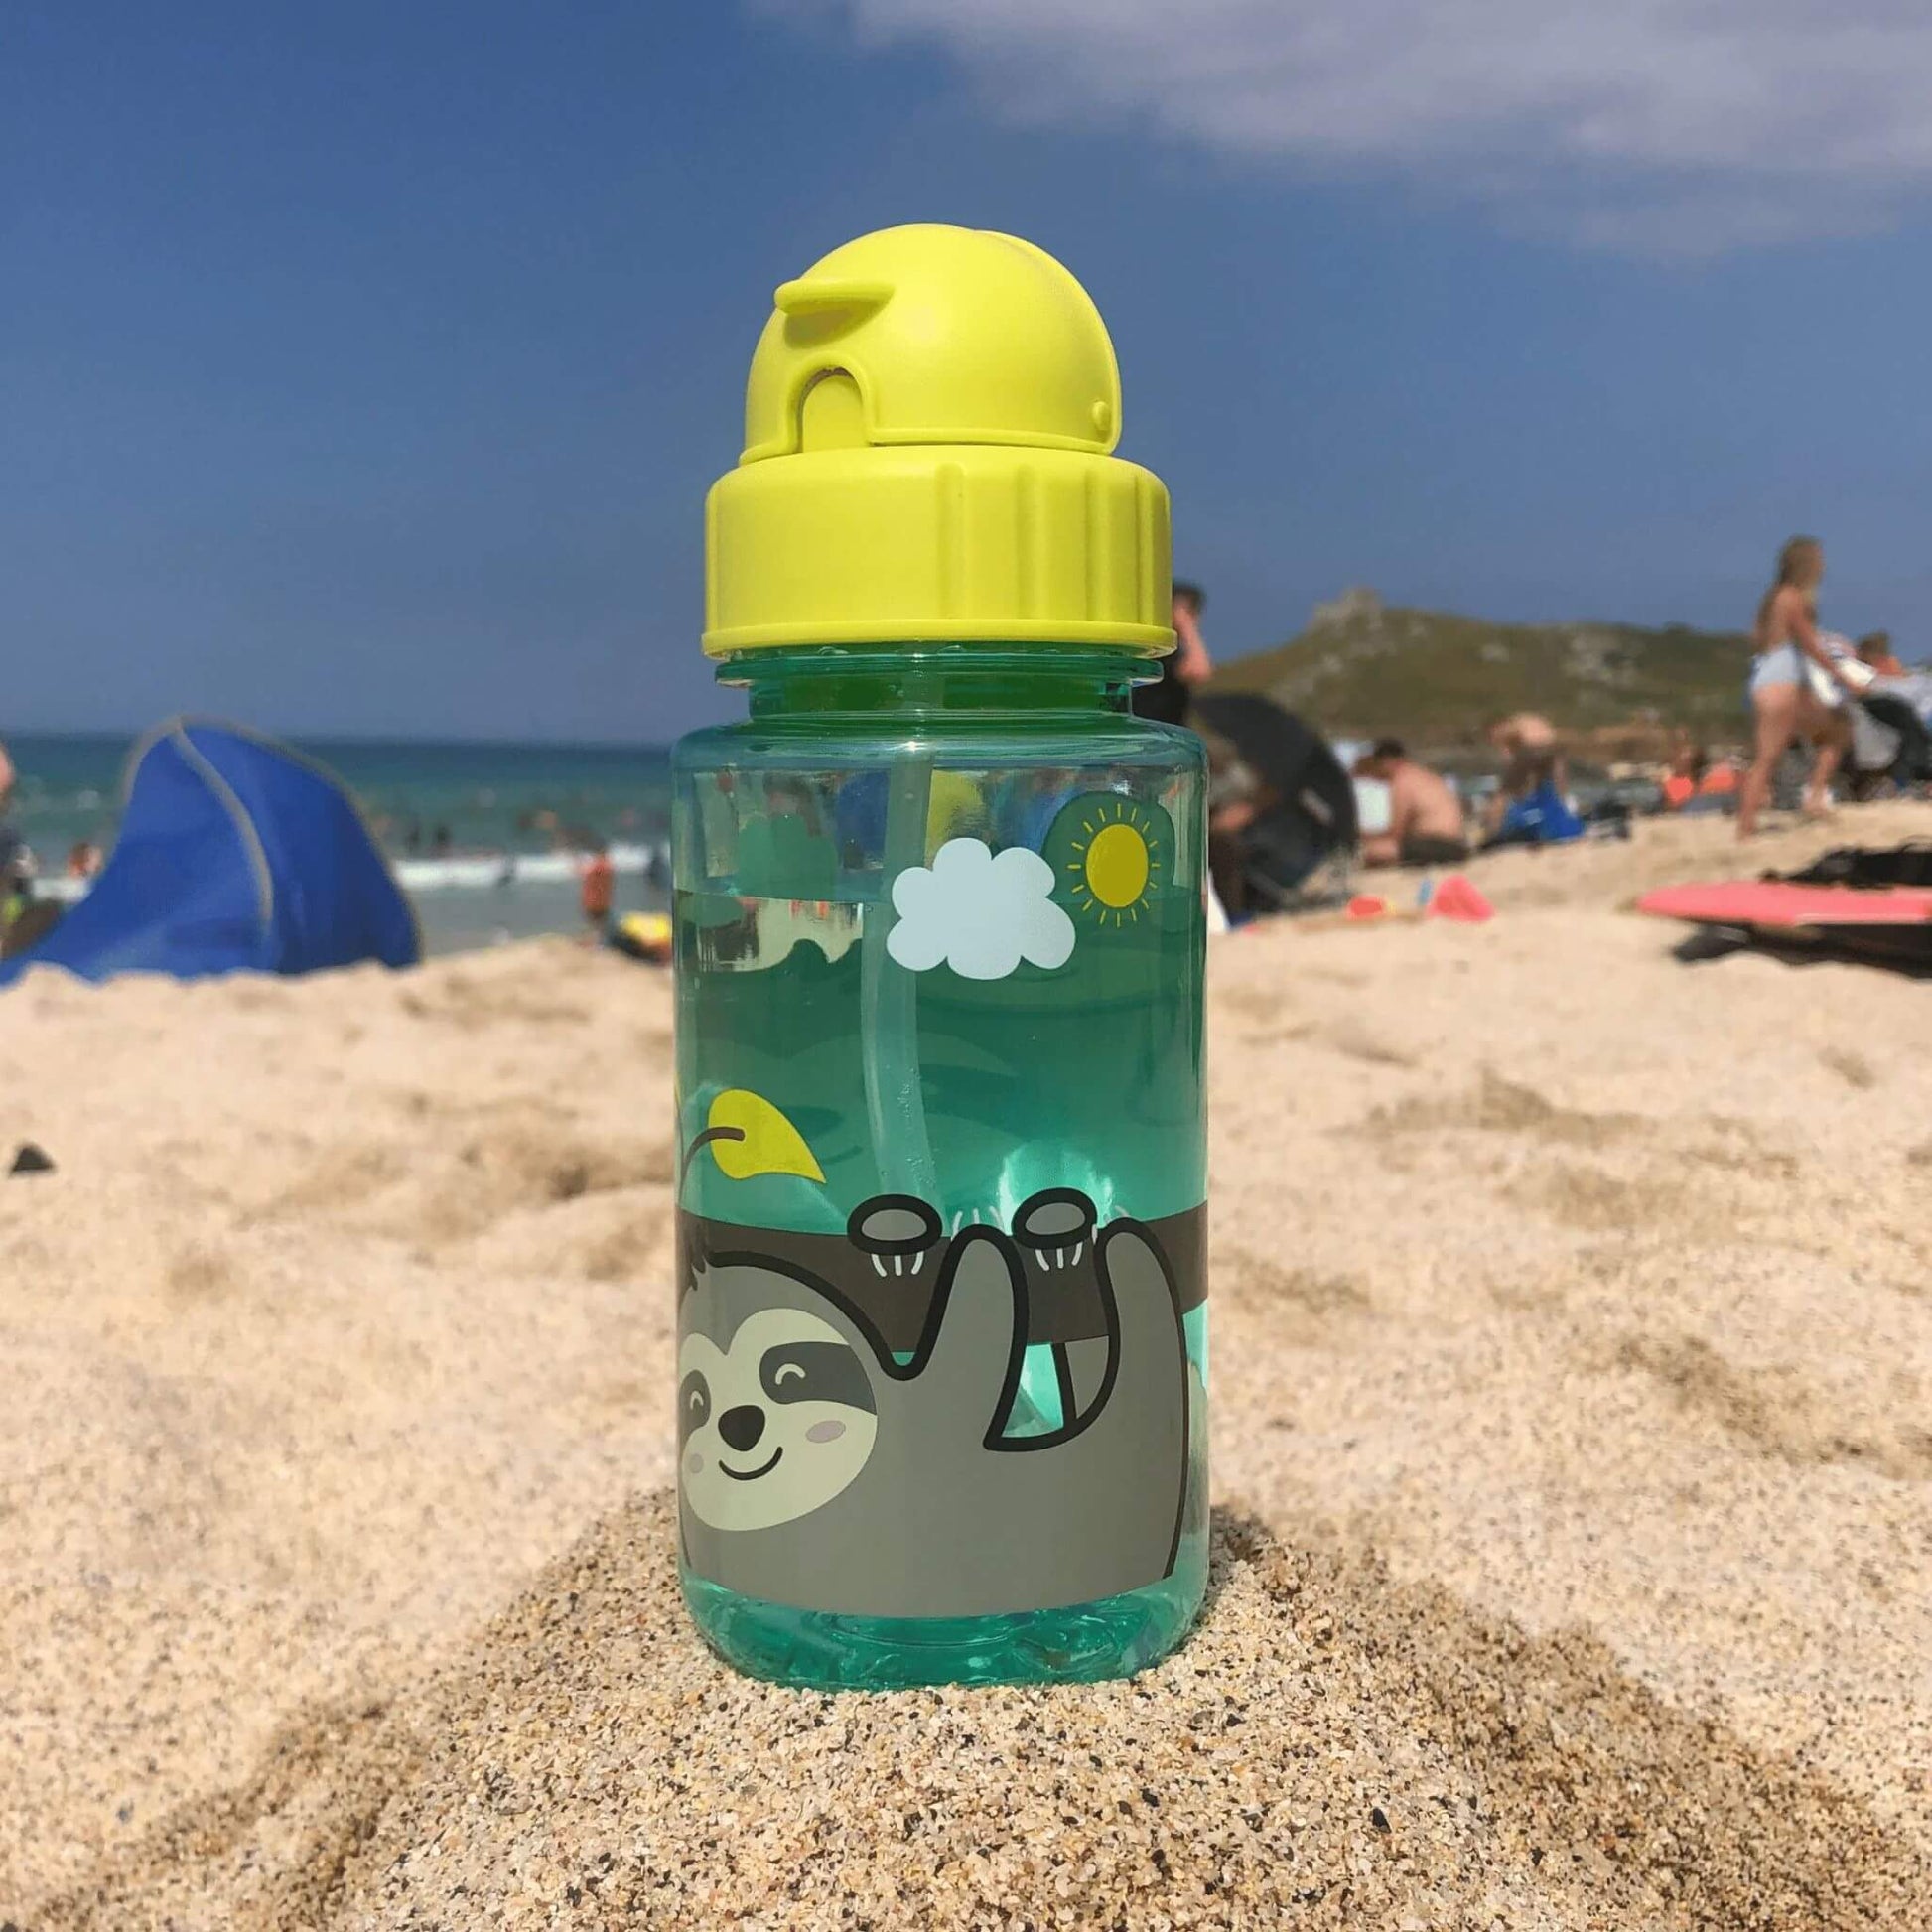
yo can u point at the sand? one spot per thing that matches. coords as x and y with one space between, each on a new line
1573 1466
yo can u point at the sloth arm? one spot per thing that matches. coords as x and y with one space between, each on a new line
1148 1343
974 1339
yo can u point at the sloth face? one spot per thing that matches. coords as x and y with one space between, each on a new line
774 1426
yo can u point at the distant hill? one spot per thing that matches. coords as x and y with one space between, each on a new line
1364 668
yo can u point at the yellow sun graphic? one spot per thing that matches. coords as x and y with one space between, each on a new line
1115 861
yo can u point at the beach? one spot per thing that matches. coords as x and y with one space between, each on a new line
1571 1383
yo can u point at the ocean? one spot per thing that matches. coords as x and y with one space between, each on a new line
475 829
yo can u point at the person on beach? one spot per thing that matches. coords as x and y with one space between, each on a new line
1698 782
1686 773
1892 725
16 868
1720 781
1184 667
1875 653
1230 822
1784 704
16 860
1532 757
1426 825
596 889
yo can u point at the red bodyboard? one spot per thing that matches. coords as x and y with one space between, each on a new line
1776 906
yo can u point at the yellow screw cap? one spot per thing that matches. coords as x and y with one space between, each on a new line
928 427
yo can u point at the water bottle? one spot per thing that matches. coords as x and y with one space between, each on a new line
939 938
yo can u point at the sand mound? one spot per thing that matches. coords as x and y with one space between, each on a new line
1333 1750
1572 1454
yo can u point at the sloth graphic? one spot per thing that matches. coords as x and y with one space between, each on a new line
822 1468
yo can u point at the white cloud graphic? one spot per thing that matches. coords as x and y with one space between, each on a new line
979 913
1664 125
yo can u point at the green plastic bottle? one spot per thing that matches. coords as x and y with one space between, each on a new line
939 944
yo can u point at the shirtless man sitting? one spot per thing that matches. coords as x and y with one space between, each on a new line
1425 814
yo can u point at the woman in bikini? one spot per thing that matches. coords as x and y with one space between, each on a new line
1784 704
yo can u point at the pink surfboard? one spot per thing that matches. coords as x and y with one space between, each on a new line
1779 906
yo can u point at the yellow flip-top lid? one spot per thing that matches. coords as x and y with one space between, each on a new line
928 435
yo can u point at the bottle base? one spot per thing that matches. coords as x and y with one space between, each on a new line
1085 1643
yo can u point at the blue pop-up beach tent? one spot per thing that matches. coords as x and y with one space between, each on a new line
235 854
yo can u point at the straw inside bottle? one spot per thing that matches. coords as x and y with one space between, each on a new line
889 1024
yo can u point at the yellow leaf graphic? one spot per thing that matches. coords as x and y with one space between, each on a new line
765 1140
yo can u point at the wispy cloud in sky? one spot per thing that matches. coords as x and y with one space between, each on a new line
1658 125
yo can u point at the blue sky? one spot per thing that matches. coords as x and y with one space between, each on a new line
363 367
